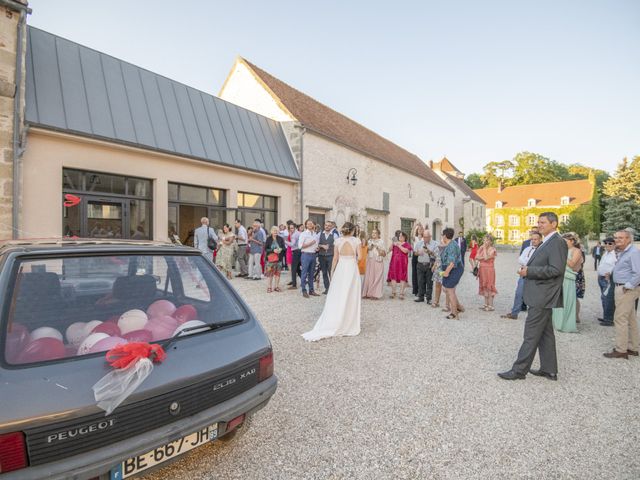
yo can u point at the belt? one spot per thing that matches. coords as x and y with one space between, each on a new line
242 244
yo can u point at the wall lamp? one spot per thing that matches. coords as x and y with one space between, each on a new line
351 176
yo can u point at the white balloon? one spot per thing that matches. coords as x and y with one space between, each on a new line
43 332
189 324
75 333
88 328
132 320
89 342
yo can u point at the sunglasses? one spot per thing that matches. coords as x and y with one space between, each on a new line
608 243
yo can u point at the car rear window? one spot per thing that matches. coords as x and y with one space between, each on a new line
73 306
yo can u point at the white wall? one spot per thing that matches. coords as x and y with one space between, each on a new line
325 168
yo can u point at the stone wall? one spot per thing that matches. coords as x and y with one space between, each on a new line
9 21
325 185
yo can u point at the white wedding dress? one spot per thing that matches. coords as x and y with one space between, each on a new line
341 314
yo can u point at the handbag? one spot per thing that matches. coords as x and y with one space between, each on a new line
475 271
211 243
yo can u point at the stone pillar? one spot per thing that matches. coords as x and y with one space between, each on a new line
10 14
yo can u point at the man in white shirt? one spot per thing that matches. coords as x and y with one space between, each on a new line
308 243
201 236
243 255
426 251
607 290
536 240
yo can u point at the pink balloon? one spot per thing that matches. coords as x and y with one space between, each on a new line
185 313
161 307
106 344
161 327
143 336
17 339
109 328
41 350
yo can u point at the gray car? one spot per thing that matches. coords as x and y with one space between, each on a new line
65 304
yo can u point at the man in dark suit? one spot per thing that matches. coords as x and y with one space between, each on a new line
543 276
462 243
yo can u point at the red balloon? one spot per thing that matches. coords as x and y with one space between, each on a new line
185 313
143 336
109 328
41 350
71 350
113 319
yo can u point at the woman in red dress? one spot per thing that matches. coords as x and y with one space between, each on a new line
398 266
487 273
474 251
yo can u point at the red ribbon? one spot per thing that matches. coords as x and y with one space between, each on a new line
125 355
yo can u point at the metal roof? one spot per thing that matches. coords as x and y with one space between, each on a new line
75 89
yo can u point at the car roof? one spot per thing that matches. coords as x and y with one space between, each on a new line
71 244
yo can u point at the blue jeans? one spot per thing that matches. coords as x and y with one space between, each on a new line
608 300
308 269
517 302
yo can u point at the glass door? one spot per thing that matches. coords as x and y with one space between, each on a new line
104 218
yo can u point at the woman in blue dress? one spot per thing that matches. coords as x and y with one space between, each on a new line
451 270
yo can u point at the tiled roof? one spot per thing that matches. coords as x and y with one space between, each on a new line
329 123
75 89
461 185
545 194
446 166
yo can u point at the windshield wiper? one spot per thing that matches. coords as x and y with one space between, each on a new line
207 326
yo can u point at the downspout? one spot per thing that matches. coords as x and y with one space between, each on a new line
24 10
302 132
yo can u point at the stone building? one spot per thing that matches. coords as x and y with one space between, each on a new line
348 172
469 207
512 211
13 42
113 150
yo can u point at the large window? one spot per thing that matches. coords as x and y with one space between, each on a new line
406 225
254 205
499 220
514 220
102 205
189 203
532 220
514 235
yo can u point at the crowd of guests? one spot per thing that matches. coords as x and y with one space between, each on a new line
436 268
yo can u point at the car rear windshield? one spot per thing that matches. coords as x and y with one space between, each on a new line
72 306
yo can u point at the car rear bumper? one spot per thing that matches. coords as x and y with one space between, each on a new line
100 461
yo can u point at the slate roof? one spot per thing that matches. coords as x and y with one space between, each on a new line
546 194
333 125
74 89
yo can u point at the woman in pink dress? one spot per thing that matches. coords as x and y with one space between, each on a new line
291 228
374 273
487 273
398 266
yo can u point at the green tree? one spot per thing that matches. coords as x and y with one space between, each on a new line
534 168
619 214
496 172
474 181
625 183
579 222
578 172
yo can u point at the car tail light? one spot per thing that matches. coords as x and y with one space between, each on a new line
13 454
266 367
235 422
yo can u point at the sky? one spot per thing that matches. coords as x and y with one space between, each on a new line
477 81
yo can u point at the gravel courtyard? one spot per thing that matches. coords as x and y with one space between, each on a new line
416 396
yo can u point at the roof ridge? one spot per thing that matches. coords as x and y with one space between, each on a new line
535 184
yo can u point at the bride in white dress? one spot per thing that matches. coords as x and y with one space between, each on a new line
341 314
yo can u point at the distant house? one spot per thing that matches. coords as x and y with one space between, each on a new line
469 207
348 171
512 211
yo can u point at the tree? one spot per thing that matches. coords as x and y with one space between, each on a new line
534 168
475 181
577 224
579 172
625 183
496 172
619 214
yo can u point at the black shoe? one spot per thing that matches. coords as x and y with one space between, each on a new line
606 324
540 373
511 375
326 292
419 300
290 283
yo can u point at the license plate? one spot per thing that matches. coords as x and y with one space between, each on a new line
139 463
